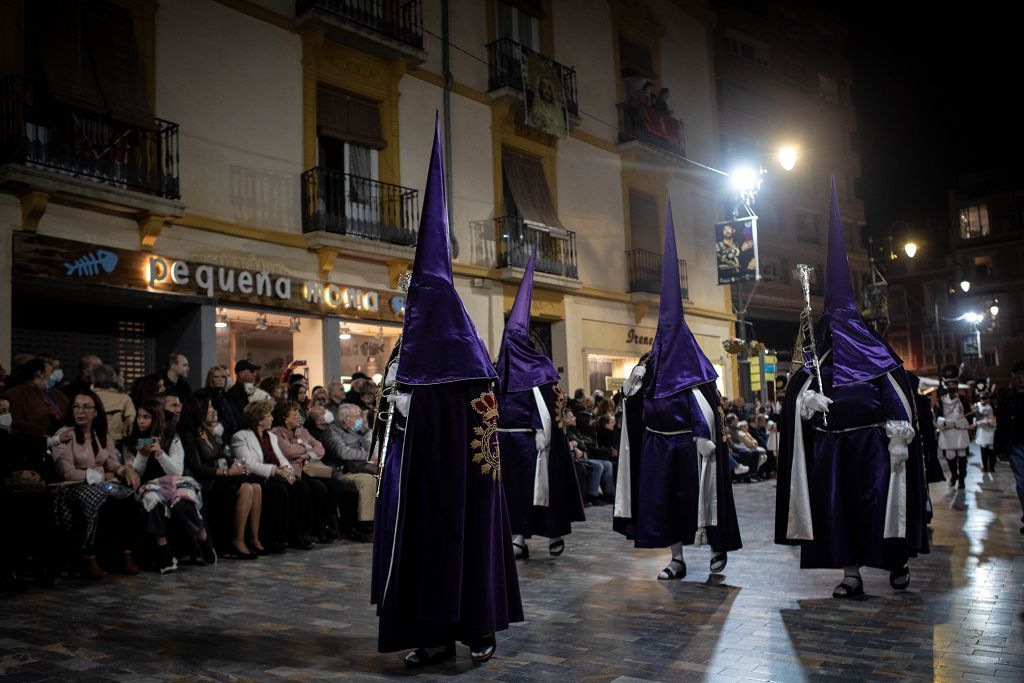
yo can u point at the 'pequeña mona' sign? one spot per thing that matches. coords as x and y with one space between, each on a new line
77 262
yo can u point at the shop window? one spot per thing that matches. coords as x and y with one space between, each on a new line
608 372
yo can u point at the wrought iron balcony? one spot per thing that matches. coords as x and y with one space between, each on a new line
345 204
505 57
84 144
401 20
645 272
555 255
642 122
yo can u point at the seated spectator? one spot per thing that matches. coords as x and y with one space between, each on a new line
354 394
175 376
298 393
171 500
347 451
96 507
258 448
147 387
37 409
299 446
119 406
336 395
85 378
228 413
240 391
601 487
274 389
231 502
27 534
576 404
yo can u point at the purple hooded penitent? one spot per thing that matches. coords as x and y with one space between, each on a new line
439 341
521 366
858 354
678 361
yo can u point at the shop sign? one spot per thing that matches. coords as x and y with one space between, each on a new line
633 340
76 262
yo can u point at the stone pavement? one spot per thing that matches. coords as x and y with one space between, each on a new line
596 613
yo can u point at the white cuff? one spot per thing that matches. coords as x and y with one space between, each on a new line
706 448
401 402
93 476
634 381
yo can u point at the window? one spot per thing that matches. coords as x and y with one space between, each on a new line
991 358
644 231
974 221
808 228
769 270
518 24
982 268
790 24
828 89
901 345
794 72
636 67
897 305
748 49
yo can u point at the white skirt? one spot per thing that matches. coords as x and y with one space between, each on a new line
954 439
985 436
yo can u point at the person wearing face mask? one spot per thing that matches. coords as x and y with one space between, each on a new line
37 409
346 449
244 386
5 415
232 502
951 418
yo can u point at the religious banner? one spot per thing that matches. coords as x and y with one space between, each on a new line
736 250
544 93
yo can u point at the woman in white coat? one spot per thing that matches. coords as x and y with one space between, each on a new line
985 431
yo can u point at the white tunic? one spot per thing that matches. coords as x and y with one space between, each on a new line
954 437
985 420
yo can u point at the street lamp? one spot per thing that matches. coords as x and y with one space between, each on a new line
965 285
910 248
787 157
994 310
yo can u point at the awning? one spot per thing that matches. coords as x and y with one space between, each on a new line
528 185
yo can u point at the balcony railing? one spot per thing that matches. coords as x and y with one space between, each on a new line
639 121
645 272
81 143
350 205
398 19
555 255
505 57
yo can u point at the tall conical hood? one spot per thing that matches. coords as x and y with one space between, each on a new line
520 365
678 361
439 341
858 353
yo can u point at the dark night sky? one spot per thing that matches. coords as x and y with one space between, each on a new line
935 97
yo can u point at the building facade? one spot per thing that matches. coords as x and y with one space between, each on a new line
783 80
241 178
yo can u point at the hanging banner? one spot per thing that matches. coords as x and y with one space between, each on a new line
736 250
971 345
544 93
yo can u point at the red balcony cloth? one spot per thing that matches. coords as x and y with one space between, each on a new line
659 123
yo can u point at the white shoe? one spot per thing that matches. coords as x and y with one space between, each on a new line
741 469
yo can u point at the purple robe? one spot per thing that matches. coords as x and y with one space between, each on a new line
519 465
443 567
663 472
848 473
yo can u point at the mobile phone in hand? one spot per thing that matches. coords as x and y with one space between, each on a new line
145 441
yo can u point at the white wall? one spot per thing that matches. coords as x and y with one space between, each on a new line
583 39
234 85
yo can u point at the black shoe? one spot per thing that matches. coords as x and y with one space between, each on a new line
520 551
207 552
420 657
675 570
846 590
166 561
900 579
483 649
718 562
960 484
234 553
557 547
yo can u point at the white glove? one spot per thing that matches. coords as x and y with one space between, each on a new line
401 402
634 381
93 476
540 440
814 402
706 448
900 433
392 373
961 423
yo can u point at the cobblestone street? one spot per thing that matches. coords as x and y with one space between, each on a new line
596 613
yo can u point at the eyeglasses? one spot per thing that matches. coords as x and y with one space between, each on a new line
79 408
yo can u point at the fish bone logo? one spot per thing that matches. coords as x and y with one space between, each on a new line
92 263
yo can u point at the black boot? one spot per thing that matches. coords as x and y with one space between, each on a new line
961 464
952 471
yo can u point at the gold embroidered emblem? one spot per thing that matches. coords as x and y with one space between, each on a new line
485 446
560 403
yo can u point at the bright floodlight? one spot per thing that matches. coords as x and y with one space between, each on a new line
965 285
910 248
787 158
744 179
973 317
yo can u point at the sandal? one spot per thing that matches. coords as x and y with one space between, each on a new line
718 562
556 548
900 579
670 573
845 590
483 649
420 657
520 551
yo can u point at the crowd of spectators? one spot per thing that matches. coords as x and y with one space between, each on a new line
100 477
